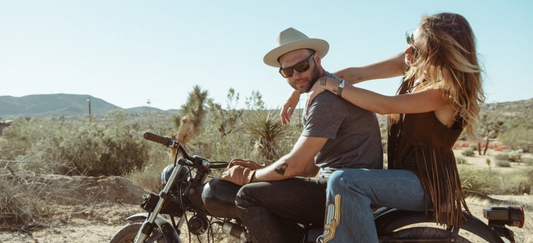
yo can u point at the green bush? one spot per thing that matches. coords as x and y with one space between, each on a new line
503 163
520 137
460 160
517 183
527 161
516 155
487 182
75 147
477 181
469 152
502 156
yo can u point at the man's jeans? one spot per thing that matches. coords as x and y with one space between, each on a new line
271 210
351 192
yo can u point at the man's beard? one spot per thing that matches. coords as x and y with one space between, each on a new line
315 75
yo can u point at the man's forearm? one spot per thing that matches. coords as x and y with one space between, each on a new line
280 170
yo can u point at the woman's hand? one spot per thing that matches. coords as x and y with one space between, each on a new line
289 107
318 88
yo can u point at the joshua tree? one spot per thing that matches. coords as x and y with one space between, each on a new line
192 115
226 120
490 127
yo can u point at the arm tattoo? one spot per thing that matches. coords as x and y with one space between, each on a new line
323 81
281 169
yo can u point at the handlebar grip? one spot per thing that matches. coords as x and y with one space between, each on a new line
158 139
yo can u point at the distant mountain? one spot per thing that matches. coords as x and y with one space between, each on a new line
515 109
146 109
54 105
70 105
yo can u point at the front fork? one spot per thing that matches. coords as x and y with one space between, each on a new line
148 224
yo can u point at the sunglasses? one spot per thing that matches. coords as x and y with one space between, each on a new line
300 67
410 38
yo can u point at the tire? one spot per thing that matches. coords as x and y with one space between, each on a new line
128 232
424 233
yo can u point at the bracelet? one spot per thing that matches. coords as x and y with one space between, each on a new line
341 87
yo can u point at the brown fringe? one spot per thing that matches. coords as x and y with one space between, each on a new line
440 180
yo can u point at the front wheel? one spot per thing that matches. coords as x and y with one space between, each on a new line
422 233
128 232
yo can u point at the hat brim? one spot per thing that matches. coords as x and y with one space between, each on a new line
321 46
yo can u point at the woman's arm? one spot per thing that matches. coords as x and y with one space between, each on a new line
388 68
418 102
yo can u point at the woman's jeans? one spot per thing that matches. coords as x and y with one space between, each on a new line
352 192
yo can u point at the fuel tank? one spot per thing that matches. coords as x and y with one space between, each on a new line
219 198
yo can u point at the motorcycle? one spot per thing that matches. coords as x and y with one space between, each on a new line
188 198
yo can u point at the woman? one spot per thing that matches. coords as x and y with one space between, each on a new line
438 98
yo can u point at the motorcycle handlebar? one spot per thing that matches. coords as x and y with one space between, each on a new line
158 139
169 142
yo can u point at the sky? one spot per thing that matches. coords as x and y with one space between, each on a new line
151 53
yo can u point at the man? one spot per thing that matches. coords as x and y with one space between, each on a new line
337 134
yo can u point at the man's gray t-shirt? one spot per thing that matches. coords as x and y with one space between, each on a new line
354 139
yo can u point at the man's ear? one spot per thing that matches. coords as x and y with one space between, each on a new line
317 58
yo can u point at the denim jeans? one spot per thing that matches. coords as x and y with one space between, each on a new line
272 210
351 192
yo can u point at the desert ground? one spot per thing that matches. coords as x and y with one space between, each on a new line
98 208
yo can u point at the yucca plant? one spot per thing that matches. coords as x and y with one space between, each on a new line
266 125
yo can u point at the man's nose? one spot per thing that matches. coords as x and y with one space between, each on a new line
296 73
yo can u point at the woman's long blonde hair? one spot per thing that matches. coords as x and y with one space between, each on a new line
447 58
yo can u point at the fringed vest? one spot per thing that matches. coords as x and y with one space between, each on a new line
422 144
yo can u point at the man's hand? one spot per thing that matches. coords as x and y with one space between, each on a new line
246 163
289 107
240 171
238 174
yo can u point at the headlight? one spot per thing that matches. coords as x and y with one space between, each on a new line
181 180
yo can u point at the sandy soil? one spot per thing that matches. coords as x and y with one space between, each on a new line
96 211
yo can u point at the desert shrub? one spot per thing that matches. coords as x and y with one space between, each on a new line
487 182
527 161
516 183
148 177
76 147
502 156
469 152
516 155
520 137
477 181
473 146
16 207
460 160
503 163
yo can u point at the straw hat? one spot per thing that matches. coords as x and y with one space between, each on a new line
290 40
